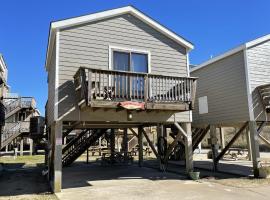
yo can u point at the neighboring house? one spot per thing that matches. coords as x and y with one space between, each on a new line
18 113
3 77
15 113
114 69
3 91
234 90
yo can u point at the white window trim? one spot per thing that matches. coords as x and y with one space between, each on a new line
126 49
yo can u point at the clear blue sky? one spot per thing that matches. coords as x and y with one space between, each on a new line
212 26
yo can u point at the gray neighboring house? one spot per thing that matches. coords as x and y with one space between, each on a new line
234 90
114 69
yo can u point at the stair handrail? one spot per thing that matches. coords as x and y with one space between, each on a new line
18 127
7 133
132 143
80 145
13 105
74 141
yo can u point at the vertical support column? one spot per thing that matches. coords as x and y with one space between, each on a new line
21 147
99 146
188 147
125 145
165 135
31 146
248 144
222 138
160 156
87 155
140 141
255 152
112 145
214 145
57 159
6 148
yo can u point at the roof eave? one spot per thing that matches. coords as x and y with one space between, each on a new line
217 58
233 51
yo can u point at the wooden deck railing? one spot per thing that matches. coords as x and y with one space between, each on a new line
111 85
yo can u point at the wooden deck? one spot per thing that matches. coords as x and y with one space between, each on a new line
109 88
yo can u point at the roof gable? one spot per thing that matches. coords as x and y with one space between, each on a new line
242 47
55 26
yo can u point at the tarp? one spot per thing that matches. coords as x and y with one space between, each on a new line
132 105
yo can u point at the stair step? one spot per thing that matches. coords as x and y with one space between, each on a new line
80 144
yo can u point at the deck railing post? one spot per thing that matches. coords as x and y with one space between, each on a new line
89 86
145 88
193 94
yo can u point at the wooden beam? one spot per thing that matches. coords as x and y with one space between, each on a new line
264 140
188 148
200 138
125 145
177 106
255 151
140 141
180 129
134 132
172 145
222 153
150 143
222 138
260 128
214 145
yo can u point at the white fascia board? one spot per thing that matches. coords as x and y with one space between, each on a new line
49 47
233 51
258 41
217 58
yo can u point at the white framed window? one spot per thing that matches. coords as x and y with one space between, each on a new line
129 59
203 105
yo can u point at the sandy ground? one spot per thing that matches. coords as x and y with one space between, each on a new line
131 182
22 180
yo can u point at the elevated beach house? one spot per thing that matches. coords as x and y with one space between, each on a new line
115 69
234 90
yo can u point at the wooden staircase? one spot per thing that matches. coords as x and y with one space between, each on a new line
264 92
197 135
80 144
14 129
132 143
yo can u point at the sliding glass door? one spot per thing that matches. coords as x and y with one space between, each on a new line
131 62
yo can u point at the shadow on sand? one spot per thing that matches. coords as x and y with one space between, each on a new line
17 180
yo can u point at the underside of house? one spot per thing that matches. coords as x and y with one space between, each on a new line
117 73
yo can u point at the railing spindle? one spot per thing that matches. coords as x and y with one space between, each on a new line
89 86
99 84
95 84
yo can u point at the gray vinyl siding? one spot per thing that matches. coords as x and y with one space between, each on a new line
258 58
88 45
224 84
51 89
